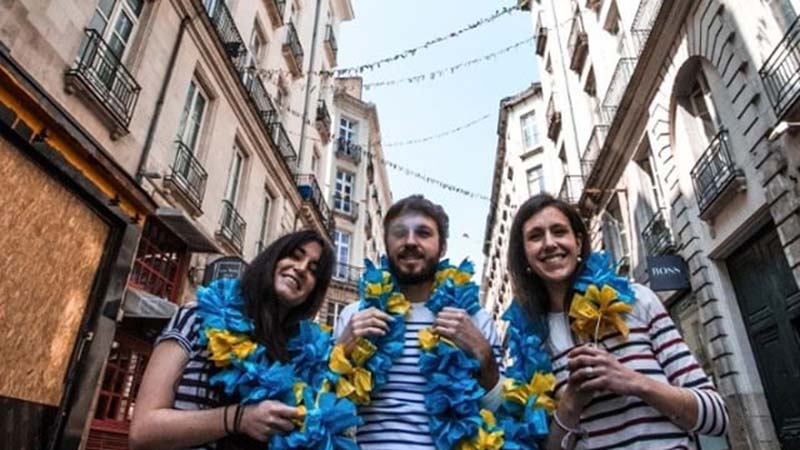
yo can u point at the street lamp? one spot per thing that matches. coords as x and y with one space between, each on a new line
781 128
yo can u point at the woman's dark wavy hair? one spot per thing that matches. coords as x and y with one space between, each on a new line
261 303
529 288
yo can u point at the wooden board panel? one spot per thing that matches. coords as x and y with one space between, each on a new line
51 245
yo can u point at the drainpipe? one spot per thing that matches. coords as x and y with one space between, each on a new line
311 57
151 130
556 27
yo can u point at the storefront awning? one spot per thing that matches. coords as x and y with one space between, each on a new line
183 226
143 305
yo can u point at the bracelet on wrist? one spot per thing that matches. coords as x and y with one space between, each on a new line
573 434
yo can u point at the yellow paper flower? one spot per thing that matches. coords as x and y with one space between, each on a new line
428 339
224 345
540 385
398 304
354 383
363 350
485 440
597 313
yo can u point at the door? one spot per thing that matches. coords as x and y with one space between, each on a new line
769 300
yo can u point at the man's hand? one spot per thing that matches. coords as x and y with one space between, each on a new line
456 325
369 322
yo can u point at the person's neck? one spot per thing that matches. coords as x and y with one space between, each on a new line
417 293
557 292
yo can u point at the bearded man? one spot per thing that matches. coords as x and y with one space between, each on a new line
415 235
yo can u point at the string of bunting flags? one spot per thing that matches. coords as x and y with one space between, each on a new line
413 173
412 51
430 76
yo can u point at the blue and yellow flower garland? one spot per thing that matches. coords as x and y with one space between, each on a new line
601 297
245 371
453 393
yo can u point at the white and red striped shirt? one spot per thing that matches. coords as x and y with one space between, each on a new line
654 348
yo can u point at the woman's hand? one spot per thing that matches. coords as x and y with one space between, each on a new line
593 369
369 322
266 418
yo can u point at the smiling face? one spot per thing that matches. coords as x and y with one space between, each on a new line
551 246
295 274
414 247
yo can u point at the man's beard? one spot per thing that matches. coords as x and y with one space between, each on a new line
427 274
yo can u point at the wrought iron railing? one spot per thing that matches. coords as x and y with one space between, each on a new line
231 225
577 44
292 43
592 151
541 35
657 236
104 76
280 139
261 100
188 174
346 273
781 71
310 191
347 207
276 10
553 118
571 189
348 149
330 41
643 22
225 26
714 171
616 88
323 116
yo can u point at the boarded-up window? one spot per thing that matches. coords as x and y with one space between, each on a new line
52 244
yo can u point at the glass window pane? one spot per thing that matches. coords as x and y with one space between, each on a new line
98 23
136 6
105 7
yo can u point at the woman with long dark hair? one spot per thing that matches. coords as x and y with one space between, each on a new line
177 408
624 378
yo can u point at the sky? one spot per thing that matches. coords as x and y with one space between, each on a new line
411 111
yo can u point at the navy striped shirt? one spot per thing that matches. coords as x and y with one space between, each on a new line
397 419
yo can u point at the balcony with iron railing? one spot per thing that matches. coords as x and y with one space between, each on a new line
346 207
231 227
643 22
310 192
323 120
541 35
616 88
657 236
188 177
715 177
577 44
571 189
100 74
592 151
261 100
293 50
225 27
349 150
276 9
781 72
347 274
553 119
330 44
280 139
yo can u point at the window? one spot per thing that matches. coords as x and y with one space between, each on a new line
341 240
315 162
701 107
615 235
332 313
535 180
115 21
343 191
192 116
262 235
348 130
530 134
255 51
160 263
234 175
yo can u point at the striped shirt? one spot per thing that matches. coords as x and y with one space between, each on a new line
397 419
193 391
656 349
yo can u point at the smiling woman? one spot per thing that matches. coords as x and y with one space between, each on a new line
179 407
